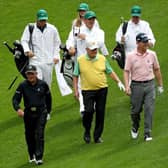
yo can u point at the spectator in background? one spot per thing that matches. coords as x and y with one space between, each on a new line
79 21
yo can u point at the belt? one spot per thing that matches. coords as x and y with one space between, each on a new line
35 108
147 81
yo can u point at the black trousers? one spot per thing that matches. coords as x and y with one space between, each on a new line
94 101
35 122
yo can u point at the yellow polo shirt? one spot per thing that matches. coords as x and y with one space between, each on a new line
92 71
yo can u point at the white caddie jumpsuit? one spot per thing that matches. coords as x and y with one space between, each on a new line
132 31
45 46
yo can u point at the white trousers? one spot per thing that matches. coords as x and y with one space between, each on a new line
81 108
44 72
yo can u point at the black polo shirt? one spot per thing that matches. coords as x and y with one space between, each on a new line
37 95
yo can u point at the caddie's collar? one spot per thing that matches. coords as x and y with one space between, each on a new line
42 28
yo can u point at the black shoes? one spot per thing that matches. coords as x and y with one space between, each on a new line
87 137
82 114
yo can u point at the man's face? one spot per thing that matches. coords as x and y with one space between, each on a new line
135 19
31 77
91 53
90 22
41 23
143 45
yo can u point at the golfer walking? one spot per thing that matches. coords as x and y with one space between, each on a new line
92 68
37 103
143 66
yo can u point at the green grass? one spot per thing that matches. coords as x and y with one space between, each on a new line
64 144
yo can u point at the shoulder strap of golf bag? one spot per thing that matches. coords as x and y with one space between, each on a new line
31 28
124 27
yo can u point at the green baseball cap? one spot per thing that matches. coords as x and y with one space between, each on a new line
42 15
136 11
89 15
83 6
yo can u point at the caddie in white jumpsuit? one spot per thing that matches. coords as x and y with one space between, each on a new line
43 51
135 26
42 47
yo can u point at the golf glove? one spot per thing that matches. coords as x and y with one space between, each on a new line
121 86
160 89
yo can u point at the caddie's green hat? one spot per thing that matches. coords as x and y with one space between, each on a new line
136 11
42 15
83 6
89 15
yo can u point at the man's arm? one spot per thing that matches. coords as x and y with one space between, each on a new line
25 42
16 101
57 43
75 80
158 77
126 82
75 86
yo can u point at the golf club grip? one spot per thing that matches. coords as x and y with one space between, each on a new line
12 83
9 48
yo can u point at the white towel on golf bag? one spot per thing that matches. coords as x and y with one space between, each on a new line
63 86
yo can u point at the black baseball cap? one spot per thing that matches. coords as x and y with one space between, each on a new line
30 68
142 37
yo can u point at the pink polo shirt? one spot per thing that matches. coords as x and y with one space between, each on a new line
141 66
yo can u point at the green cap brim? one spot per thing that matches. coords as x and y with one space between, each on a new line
42 18
136 14
83 9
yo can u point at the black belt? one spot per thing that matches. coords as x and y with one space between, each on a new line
35 108
147 81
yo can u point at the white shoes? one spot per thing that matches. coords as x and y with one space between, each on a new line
39 162
48 117
147 137
31 160
134 133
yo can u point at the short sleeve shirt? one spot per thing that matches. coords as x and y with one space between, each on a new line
141 67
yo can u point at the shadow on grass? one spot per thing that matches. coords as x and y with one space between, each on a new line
13 122
65 108
27 165
67 126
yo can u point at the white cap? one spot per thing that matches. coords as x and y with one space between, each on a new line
91 44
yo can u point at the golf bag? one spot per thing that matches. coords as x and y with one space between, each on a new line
119 55
118 52
21 61
67 66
